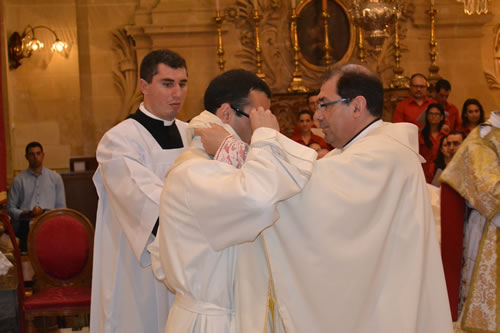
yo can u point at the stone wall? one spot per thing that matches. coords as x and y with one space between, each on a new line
67 102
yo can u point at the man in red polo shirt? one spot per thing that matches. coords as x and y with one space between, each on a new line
414 105
443 88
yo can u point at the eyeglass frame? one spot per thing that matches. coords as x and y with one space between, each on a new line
237 110
324 105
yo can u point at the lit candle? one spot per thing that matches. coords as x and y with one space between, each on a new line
294 3
324 5
217 5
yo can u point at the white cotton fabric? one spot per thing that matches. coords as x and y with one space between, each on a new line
209 207
356 251
126 297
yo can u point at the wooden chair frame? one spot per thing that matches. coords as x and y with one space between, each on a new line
20 276
44 281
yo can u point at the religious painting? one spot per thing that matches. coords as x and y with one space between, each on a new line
311 33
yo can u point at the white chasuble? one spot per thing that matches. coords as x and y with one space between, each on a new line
126 297
356 251
207 209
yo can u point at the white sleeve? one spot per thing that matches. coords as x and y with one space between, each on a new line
233 205
133 190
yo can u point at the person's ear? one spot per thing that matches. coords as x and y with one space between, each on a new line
359 105
224 112
144 86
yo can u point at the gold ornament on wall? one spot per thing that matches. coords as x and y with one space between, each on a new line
433 68
219 19
374 17
296 85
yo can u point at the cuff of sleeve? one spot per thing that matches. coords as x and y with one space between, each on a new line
291 148
221 147
16 215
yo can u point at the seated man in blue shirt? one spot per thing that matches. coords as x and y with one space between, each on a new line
33 191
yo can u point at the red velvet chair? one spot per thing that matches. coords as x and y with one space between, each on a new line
19 269
60 247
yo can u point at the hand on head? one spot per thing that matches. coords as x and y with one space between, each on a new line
211 137
263 118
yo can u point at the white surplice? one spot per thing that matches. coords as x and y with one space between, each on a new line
356 251
126 297
208 207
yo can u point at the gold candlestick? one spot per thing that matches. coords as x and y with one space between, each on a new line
258 50
220 49
296 85
433 68
361 46
399 80
327 57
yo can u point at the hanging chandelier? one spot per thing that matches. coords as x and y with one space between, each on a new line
475 6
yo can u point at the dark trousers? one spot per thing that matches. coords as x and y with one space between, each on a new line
22 231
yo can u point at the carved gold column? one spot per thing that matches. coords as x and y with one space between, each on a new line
433 68
399 80
258 50
220 49
327 57
296 85
361 46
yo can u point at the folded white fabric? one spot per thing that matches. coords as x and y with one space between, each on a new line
5 264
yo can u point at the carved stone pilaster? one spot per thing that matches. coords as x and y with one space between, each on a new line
125 76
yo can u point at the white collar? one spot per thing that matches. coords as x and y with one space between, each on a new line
150 115
364 133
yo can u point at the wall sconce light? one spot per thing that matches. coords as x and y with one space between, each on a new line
23 45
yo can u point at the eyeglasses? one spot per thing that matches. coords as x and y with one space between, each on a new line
237 110
324 105
434 114
418 86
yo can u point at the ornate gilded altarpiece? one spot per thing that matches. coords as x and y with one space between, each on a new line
155 23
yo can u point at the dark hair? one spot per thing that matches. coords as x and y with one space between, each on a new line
443 84
439 162
418 75
233 87
33 145
149 65
352 84
305 112
357 80
426 130
462 134
469 101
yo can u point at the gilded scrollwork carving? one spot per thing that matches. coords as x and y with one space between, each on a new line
277 48
125 75
493 79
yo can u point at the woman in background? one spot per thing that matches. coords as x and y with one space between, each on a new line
430 138
472 115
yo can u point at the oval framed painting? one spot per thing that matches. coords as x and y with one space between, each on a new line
311 33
